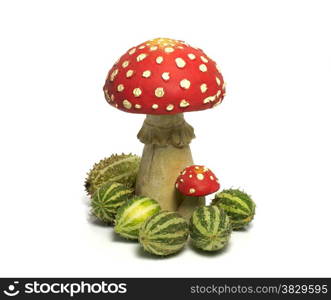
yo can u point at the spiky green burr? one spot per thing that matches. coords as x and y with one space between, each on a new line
121 168
107 199
164 233
132 215
238 205
210 228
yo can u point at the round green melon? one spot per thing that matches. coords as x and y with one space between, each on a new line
133 214
210 228
107 199
238 206
164 233
121 168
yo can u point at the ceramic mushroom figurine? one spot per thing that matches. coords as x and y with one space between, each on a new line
164 78
195 182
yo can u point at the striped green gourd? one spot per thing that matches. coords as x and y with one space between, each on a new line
107 199
121 168
238 206
133 214
210 228
164 233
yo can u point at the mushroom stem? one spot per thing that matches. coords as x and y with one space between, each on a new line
189 204
166 153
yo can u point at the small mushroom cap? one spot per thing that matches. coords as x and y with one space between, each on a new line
164 76
197 181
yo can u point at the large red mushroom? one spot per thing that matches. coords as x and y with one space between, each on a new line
164 78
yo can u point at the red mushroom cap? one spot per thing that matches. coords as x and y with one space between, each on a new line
164 76
197 181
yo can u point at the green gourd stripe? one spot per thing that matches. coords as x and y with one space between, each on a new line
160 219
173 227
153 250
216 221
207 217
162 246
225 201
166 236
166 224
174 241
243 196
110 189
119 195
231 209
197 224
202 217
236 200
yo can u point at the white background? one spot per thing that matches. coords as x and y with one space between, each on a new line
271 135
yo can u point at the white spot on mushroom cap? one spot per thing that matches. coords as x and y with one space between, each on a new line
205 60
125 63
218 93
218 81
159 59
192 191
141 57
169 50
113 75
165 76
208 99
191 56
127 104
176 185
155 106
200 176
106 94
147 73
129 73
211 177
185 84
120 88
112 97
142 47
190 176
203 88
170 107
180 62
138 106
132 51
137 92
159 92
184 103
181 180
153 48
203 68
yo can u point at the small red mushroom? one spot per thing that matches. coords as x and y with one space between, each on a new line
195 181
